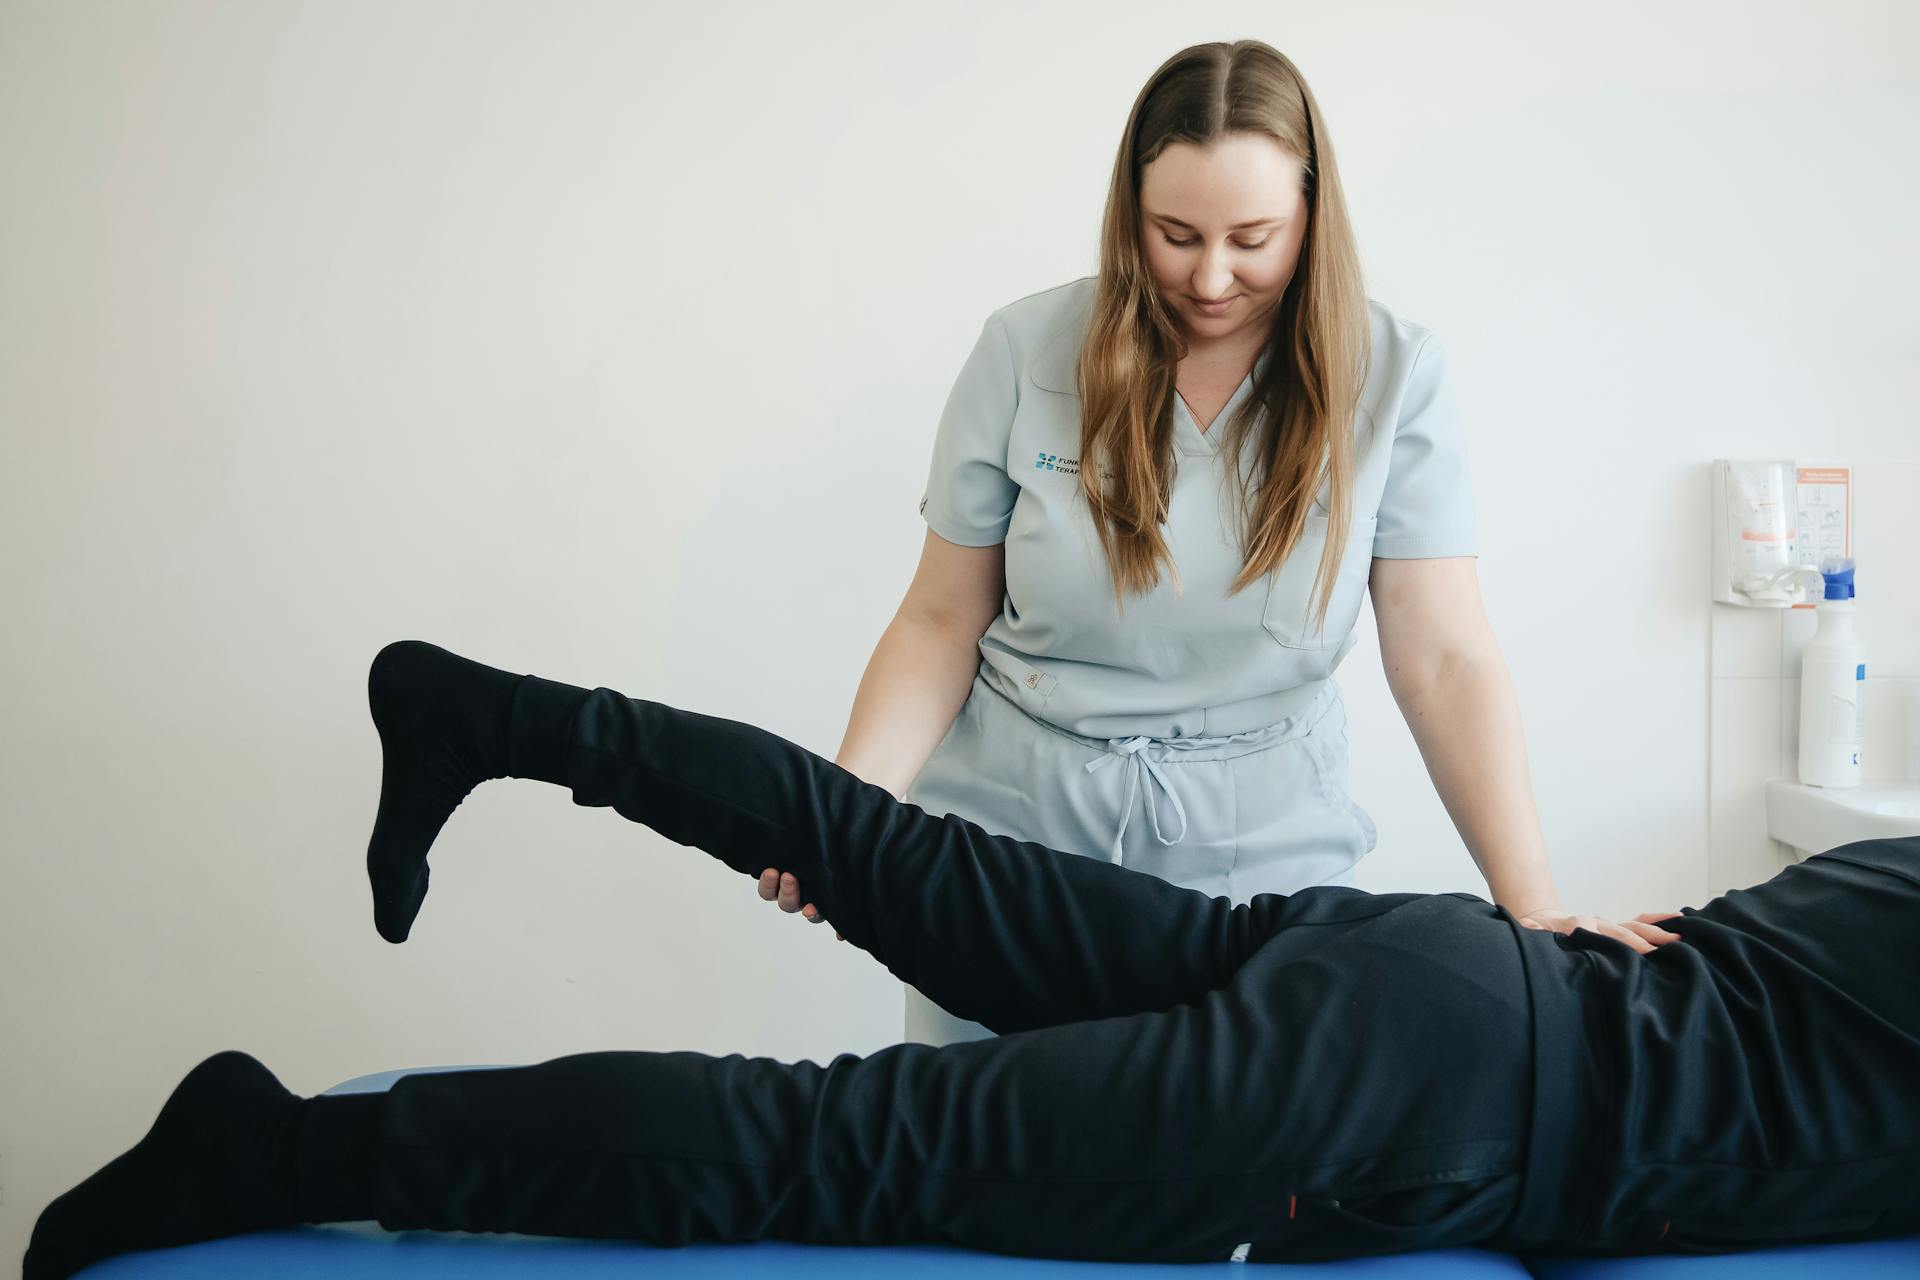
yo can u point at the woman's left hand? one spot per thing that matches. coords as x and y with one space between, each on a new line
1638 933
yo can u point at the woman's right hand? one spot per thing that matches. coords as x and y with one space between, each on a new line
784 888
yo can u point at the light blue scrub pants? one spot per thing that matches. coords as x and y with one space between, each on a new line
1265 811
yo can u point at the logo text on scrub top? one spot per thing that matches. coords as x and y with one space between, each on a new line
1066 466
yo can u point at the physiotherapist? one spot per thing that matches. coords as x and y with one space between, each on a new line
1157 496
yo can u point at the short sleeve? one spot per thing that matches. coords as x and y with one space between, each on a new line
969 495
1426 508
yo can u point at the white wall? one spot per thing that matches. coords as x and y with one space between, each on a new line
607 341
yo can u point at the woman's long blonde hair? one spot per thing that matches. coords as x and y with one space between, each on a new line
1320 345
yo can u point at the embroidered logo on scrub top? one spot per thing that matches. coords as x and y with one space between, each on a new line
1066 466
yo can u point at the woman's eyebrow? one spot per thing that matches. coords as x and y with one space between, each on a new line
1238 226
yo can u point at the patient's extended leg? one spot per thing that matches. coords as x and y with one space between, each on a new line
1008 933
1241 1120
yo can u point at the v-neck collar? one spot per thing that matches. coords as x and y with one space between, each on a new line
1187 435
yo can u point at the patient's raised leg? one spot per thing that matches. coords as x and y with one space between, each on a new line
1009 933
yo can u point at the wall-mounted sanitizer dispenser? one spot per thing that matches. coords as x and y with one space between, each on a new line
1773 523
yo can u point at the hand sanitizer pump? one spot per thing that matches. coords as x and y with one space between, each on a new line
1833 667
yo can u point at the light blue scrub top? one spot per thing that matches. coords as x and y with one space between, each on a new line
1005 469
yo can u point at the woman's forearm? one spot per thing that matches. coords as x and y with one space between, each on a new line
915 684
1467 724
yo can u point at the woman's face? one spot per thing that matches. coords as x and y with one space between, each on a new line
1192 202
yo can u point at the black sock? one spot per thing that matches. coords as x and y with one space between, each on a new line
538 728
207 1168
326 1155
443 722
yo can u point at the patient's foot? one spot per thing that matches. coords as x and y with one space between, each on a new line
206 1169
443 722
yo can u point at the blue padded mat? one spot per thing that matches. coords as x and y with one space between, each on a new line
365 1251
1854 1260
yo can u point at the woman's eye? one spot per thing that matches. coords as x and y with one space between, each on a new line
1182 244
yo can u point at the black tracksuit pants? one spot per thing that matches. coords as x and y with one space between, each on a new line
1314 1075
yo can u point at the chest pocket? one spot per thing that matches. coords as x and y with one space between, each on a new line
1288 617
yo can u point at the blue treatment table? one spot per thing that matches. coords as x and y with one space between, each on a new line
364 1251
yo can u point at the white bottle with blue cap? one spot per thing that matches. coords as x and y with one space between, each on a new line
1833 669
